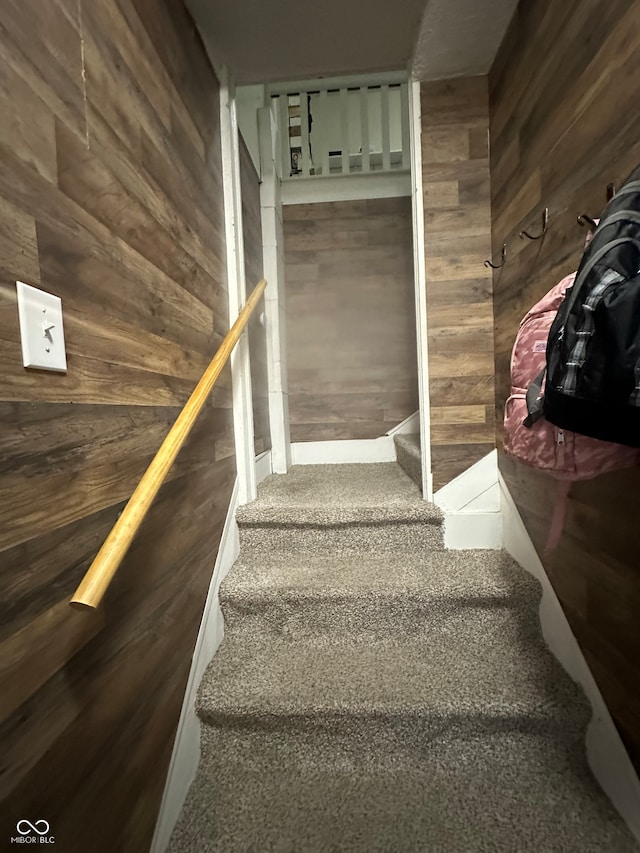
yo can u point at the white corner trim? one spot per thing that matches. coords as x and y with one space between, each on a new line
186 747
263 466
471 505
409 426
420 287
339 452
478 530
607 755
468 486
243 428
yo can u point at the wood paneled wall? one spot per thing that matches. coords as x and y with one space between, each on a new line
564 123
110 197
351 342
457 210
253 265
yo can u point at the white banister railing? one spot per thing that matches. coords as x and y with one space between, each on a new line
333 128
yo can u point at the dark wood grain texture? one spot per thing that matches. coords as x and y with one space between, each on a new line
457 211
564 123
253 267
111 198
351 347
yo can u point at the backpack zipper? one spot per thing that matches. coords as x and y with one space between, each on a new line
561 446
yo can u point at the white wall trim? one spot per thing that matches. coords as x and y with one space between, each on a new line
240 364
465 489
186 747
263 466
607 755
344 451
345 188
420 278
274 300
409 426
471 506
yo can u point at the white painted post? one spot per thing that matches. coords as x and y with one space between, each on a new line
285 144
344 130
415 126
404 122
273 264
240 364
324 140
304 129
386 130
364 128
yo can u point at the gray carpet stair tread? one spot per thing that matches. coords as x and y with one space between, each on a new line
485 662
339 494
292 792
472 575
375 693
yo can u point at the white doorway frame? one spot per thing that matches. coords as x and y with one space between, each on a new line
240 360
420 279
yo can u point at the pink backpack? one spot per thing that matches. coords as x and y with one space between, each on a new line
566 456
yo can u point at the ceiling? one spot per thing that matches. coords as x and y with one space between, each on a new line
274 40
460 37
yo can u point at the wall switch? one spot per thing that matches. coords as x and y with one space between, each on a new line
41 329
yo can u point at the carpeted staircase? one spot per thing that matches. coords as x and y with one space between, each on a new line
377 694
408 455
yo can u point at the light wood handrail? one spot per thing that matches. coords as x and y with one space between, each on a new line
100 574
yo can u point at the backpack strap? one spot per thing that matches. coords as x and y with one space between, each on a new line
534 400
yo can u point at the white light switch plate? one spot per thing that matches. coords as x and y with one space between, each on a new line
41 329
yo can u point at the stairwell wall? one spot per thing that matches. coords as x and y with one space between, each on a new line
351 341
564 123
457 239
110 197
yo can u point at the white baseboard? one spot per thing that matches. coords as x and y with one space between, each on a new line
471 506
339 452
409 426
186 748
263 466
607 755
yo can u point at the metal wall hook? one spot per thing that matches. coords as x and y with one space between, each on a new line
545 222
585 219
503 255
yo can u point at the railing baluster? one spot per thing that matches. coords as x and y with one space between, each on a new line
304 123
364 128
404 119
386 141
344 130
285 145
324 141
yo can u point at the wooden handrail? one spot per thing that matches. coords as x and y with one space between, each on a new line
100 574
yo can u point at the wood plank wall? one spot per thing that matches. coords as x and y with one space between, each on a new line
253 264
457 210
564 123
351 343
110 196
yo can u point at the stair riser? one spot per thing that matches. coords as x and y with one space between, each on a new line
341 731
410 463
353 538
371 617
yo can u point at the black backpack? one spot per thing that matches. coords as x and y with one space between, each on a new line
593 349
